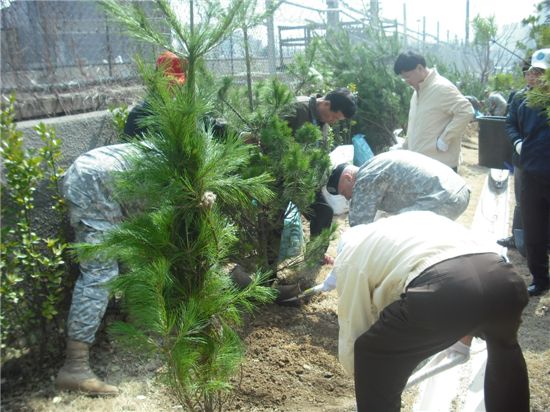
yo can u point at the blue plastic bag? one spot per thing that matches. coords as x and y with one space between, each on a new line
292 238
361 150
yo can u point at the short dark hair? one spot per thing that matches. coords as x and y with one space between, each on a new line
408 61
342 100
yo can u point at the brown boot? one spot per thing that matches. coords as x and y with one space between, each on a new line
76 375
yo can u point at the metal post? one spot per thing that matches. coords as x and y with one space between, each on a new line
374 13
232 55
333 15
405 36
270 40
281 49
109 49
423 31
467 37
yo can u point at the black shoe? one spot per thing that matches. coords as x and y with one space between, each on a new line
536 290
507 242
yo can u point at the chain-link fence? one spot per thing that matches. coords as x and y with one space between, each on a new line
64 57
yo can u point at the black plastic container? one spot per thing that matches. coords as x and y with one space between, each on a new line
495 149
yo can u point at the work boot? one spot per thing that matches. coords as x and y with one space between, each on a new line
76 375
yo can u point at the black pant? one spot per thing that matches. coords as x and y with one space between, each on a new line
473 294
535 212
319 215
517 223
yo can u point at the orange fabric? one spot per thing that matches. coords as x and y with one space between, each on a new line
172 66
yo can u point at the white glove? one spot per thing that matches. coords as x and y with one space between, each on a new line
441 145
460 348
329 283
397 146
518 145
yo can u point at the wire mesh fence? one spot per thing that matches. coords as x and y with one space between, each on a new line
59 43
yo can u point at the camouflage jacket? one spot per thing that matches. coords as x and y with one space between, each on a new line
399 181
88 186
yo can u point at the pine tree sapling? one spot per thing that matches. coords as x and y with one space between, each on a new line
179 298
299 161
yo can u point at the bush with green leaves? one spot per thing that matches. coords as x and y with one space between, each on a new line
308 76
33 269
468 82
119 115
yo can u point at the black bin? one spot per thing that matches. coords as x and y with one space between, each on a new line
495 149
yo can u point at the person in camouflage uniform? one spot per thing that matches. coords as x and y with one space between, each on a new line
399 181
87 187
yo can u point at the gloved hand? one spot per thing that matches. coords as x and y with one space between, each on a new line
460 348
441 145
517 146
329 283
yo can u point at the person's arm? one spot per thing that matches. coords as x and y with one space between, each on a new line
461 112
512 125
410 121
491 105
134 127
298 115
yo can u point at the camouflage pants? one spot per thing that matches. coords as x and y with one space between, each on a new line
90 296
92 213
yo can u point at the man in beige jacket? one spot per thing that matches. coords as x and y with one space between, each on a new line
438 113
413 284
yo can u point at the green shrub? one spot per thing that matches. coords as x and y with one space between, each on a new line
119 115
33 269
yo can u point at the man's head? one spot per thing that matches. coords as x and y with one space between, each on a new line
172 66
342 180
540 61
337 105
411 67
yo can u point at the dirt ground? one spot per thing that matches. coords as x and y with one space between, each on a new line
291 362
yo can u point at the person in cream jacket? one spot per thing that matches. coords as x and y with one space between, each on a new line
410 286
438 113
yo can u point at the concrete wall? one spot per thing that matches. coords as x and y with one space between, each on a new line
78 133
